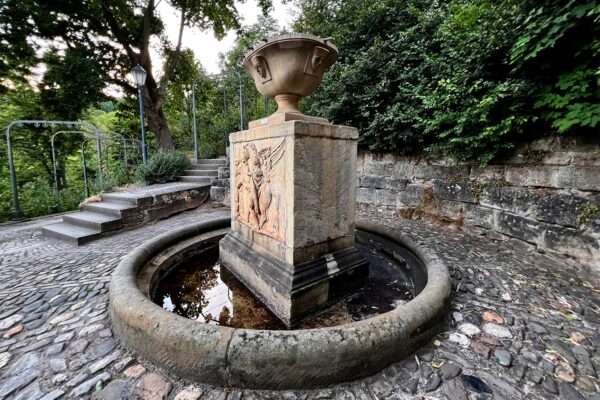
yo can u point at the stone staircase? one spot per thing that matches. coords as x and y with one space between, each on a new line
123 210
204 171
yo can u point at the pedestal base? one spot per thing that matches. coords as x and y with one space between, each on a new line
293 292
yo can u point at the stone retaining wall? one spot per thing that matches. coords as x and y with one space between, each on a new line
546 196
219 187
155 207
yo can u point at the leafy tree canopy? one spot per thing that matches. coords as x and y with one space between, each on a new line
95 43
465 78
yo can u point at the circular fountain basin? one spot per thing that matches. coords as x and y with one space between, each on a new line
197 286
212 353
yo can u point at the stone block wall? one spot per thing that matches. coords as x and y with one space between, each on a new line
219 187
546 196
155 207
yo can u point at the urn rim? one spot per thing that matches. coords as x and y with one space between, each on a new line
290 37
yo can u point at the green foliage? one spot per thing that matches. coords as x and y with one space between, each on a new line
477 108
89 46
121 175
71 83
217 97
163 166
467 78
39 198
104 120
559 48
572 101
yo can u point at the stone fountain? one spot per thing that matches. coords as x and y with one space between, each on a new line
293 189
291 240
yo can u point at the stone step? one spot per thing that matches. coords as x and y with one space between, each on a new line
124 198
220 182
95 221
204 167
220 161
107 208
76 235
196 179
132 208
200 172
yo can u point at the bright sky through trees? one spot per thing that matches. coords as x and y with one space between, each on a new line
205 46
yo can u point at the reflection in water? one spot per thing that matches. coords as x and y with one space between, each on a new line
202 290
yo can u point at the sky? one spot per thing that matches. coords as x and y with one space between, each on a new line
206 48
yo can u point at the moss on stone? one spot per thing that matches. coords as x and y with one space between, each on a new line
588 213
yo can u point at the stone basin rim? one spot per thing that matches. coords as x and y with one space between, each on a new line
265 359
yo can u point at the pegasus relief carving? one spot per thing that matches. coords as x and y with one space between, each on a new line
257 197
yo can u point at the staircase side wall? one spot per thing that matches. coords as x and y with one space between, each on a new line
164 205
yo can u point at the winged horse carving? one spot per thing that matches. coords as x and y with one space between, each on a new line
257 201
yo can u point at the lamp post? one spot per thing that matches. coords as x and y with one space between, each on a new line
139 75
194 116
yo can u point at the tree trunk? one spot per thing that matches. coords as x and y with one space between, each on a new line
158 124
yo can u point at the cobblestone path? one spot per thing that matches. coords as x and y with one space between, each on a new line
521 325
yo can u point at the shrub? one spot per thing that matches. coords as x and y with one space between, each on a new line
121 176
163 166
39 198
468 79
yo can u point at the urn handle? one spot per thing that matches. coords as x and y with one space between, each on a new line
319 54
262 68
315 60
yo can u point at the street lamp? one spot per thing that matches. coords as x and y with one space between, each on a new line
139 75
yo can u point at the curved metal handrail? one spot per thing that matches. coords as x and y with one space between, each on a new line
16 212
54 169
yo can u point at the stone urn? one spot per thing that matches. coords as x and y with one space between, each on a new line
289 67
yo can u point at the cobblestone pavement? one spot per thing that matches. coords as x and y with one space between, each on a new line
521 325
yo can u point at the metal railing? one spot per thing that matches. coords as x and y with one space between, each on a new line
241 100
16 212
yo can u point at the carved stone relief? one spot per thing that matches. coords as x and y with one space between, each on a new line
258 193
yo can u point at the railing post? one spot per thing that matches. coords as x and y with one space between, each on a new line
84 168
54 171
16 214
241 102
195 123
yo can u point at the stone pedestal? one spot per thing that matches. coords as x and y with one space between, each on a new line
293 195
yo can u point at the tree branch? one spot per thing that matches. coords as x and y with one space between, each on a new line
171 63
117 32
123 84
145 43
